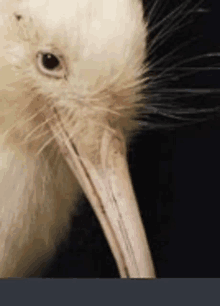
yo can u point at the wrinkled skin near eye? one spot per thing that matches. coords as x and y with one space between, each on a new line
50 64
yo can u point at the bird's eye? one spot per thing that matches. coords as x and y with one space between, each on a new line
50 64
50 61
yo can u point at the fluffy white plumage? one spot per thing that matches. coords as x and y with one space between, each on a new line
101 47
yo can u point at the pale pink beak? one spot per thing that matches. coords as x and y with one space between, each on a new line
110 192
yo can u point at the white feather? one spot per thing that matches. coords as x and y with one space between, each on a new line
102 44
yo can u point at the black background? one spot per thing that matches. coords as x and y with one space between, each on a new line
175 174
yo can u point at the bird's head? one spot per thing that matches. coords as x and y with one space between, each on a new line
71 73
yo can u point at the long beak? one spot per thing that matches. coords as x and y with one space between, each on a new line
110 192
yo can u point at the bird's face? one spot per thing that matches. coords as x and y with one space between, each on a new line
74 69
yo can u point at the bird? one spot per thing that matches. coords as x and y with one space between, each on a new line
72 73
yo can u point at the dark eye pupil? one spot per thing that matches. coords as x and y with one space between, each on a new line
50 61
